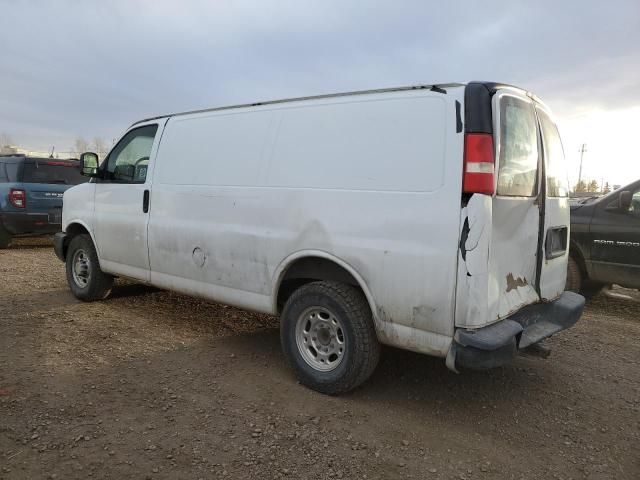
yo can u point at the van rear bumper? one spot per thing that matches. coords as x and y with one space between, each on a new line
59 240
23 223
500 342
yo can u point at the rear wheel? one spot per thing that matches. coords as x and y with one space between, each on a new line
5 238
328 337
86 280
577 282
591 289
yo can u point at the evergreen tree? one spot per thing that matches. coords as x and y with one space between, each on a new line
580 187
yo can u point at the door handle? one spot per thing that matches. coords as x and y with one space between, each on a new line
145 201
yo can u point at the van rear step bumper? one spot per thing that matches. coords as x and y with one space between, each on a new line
499 343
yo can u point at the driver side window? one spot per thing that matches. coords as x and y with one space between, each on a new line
129 160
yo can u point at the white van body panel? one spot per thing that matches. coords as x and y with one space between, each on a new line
554 272
236 194
78 205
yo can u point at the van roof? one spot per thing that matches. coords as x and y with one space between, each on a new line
436 87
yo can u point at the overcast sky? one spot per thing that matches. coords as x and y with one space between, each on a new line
70 69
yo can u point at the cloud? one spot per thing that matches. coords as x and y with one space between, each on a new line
92 68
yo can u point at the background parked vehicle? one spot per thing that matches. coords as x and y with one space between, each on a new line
31 191
605 241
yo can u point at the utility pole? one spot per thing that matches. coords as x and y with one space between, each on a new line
583 148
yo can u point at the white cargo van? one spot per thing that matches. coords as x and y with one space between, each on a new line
432 218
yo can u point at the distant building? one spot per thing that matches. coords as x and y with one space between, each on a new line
8 150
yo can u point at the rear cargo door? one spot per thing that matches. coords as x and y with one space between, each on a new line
554 237
515 218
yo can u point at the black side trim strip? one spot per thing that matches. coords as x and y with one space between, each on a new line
458 117
477 108
437 89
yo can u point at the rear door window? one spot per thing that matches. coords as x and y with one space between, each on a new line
63 173
3 173
557 179
13 172
518 156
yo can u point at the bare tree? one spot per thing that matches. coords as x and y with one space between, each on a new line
593 187
580 187
5 139
100 146
80 146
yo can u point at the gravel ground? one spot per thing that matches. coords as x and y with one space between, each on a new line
151 384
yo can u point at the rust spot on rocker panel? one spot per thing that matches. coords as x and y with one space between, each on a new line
514 283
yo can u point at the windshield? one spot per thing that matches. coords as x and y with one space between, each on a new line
58 172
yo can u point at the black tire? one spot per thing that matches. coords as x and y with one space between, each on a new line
577 281
361 350
591 289
96 284
574 276
5 238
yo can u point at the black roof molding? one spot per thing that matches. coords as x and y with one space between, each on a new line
477 104
478 117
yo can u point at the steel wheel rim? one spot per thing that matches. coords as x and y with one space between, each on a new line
320 338
81 268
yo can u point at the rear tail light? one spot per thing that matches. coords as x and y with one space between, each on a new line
479 167
18 198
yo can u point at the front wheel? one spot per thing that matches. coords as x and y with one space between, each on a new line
328 337
576 281
574 276
84 276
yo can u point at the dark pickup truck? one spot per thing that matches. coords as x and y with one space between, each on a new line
31 192
605 241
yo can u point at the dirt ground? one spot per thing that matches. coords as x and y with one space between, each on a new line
151 384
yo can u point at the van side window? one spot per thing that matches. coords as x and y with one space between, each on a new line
518 159
129 160
557 178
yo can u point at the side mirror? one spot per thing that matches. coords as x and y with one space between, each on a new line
89 164
624 200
